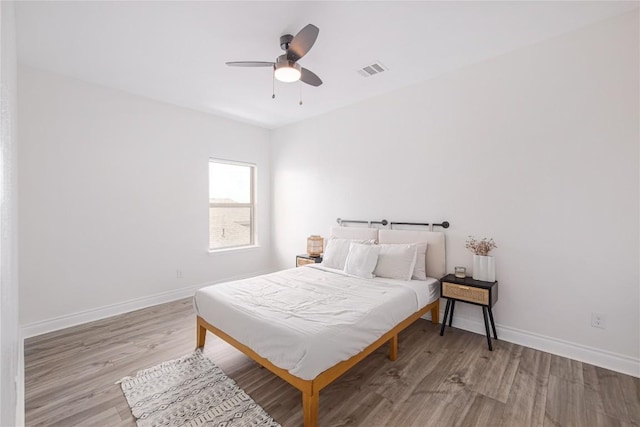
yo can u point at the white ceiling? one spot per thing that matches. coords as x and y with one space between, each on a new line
176 51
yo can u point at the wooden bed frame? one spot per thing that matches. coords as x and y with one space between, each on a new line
311 388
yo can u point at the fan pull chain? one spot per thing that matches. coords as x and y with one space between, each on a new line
273 83
300 86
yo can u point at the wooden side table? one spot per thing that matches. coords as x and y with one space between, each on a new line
484 294
305 259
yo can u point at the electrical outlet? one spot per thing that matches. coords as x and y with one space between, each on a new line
598 320
179 274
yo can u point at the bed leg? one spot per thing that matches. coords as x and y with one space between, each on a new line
310 404
435 313
393 351
201 334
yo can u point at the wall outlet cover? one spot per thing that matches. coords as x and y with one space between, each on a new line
598 320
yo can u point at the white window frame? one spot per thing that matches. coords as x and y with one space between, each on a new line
251 205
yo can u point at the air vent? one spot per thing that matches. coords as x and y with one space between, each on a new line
372 69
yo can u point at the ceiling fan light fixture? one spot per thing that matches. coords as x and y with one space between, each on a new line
287 71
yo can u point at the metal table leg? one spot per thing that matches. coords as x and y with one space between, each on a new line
444 320
486 327
453 305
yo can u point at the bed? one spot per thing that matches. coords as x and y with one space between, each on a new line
309 325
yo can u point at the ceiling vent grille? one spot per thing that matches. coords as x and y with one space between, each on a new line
372 69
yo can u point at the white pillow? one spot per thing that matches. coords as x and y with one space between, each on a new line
396 261
335 254
419 272
362 260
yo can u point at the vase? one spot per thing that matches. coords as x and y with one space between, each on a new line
484 268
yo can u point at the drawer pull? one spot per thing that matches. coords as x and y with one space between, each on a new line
466 288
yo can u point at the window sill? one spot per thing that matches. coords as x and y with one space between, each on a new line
236 249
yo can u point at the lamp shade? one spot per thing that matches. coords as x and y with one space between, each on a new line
315 245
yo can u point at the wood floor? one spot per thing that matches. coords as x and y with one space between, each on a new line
436 381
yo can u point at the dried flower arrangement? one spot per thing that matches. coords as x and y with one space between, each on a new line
481 247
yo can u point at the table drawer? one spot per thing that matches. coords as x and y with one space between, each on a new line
465 293
303 261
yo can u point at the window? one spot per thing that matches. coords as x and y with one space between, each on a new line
231 204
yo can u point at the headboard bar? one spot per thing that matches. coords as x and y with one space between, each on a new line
443 224
341 221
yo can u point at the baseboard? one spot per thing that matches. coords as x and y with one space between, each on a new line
50 325
594 356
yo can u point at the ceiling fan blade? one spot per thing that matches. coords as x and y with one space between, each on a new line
310 78
302 42
250 64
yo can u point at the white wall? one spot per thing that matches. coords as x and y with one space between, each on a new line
537 149
114 199
10 342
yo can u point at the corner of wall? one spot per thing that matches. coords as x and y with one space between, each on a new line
11 369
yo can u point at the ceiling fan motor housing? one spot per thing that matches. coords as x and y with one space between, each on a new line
285 41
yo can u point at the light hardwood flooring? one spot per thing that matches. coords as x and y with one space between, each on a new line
437 381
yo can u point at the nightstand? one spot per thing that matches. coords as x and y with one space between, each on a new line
305 259
484 294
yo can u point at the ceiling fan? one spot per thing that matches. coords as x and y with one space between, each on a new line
286 67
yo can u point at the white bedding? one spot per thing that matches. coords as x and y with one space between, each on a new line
305 320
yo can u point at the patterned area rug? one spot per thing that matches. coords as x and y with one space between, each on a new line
191 391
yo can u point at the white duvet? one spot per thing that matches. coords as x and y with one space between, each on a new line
307 319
